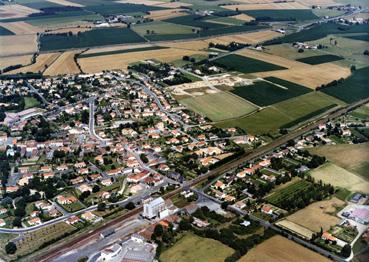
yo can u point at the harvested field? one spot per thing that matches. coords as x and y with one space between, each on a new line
317 2
121 61
318 74
64 64
243 17
339 177
15 60
295 228
267 6
18 45
278 248
155 3
354 158
250 38
15 11
74 30
115 48
189 45
165 14
21 28
317 215
65 3
41 61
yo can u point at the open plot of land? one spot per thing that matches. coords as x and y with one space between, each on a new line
15 11
65 2
278 248
15 60
165 14
315 60
21 28
267 6
18 45
121 61
282 15
64 64
115 8
250 38
161 28
42 62
195 248
122 51
245 64
317 215
243 17
66 19
354 158
219 106
4 31
340 177
287 113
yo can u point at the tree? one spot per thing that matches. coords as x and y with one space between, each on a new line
95 189
17 222
346 251
10 248
130 206
159 230
101 207
224 205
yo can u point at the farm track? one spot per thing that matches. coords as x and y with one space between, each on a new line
85 238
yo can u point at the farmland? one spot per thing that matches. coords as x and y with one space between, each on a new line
18 45
4 31
206 250
219 106
315 60
244 64
65 64
97 37
122 51
278 249
282 15
121 8
42 62
268 91
250 38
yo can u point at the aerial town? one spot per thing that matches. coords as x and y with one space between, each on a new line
188 130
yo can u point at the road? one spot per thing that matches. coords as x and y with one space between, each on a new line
34 90
91 122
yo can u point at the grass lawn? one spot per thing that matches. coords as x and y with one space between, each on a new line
218 106
194 248
315 60
243 64
30 102
285 113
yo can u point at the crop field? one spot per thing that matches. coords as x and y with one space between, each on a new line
361 37
63 19
272 118
15 60
188 45
219 106
340 177
278 248
267 92
318 214
315 60
267 6
245 64
249 38
353 88
20 28
165 14
42 62
122 51
161 28
282 15
97 37
65 3
354 158
119 8
64 64
243 17
15 11
4 31
195 248
361 112
18 45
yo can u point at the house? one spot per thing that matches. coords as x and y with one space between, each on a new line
43 205
267 210
84 188
104 195
220 185
72 220
66 200
77 180
2 222
80 165
136 178
114 172
34 221
89 216
3 211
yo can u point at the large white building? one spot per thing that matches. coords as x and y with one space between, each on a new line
154 208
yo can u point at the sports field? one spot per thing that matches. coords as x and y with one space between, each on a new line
339 177
278 248
219 106
196 249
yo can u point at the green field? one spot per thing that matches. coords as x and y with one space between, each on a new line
271 118
361 37
30 102
288 193
4 31
114 8
196 249
162 28
263 93
123 51
218 106
244 64
320 59
282 15
97 37
361 112
194 21
352 89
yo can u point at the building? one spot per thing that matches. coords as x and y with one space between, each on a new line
154 208
111 253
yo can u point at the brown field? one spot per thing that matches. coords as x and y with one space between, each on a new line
267 6
121 61
15 11
251 38
187 45
175 4
39 66
114 48
318 74
65 2
15 60
295 228
21 28
317 2
243 17
155 3
317 215
64 64
165 14
18 45
278 248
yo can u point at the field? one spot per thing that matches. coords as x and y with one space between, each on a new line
161 28
30 102
196 249
15 60
249 38
268 91
315 60
65 2
64 64
18 45
97 37
270 119
278 248
282 15
317 215
340 177
21 28
267 6
15 11
218 106
112 8
244 64
165 14
4 31
42 62
121 51
353 88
